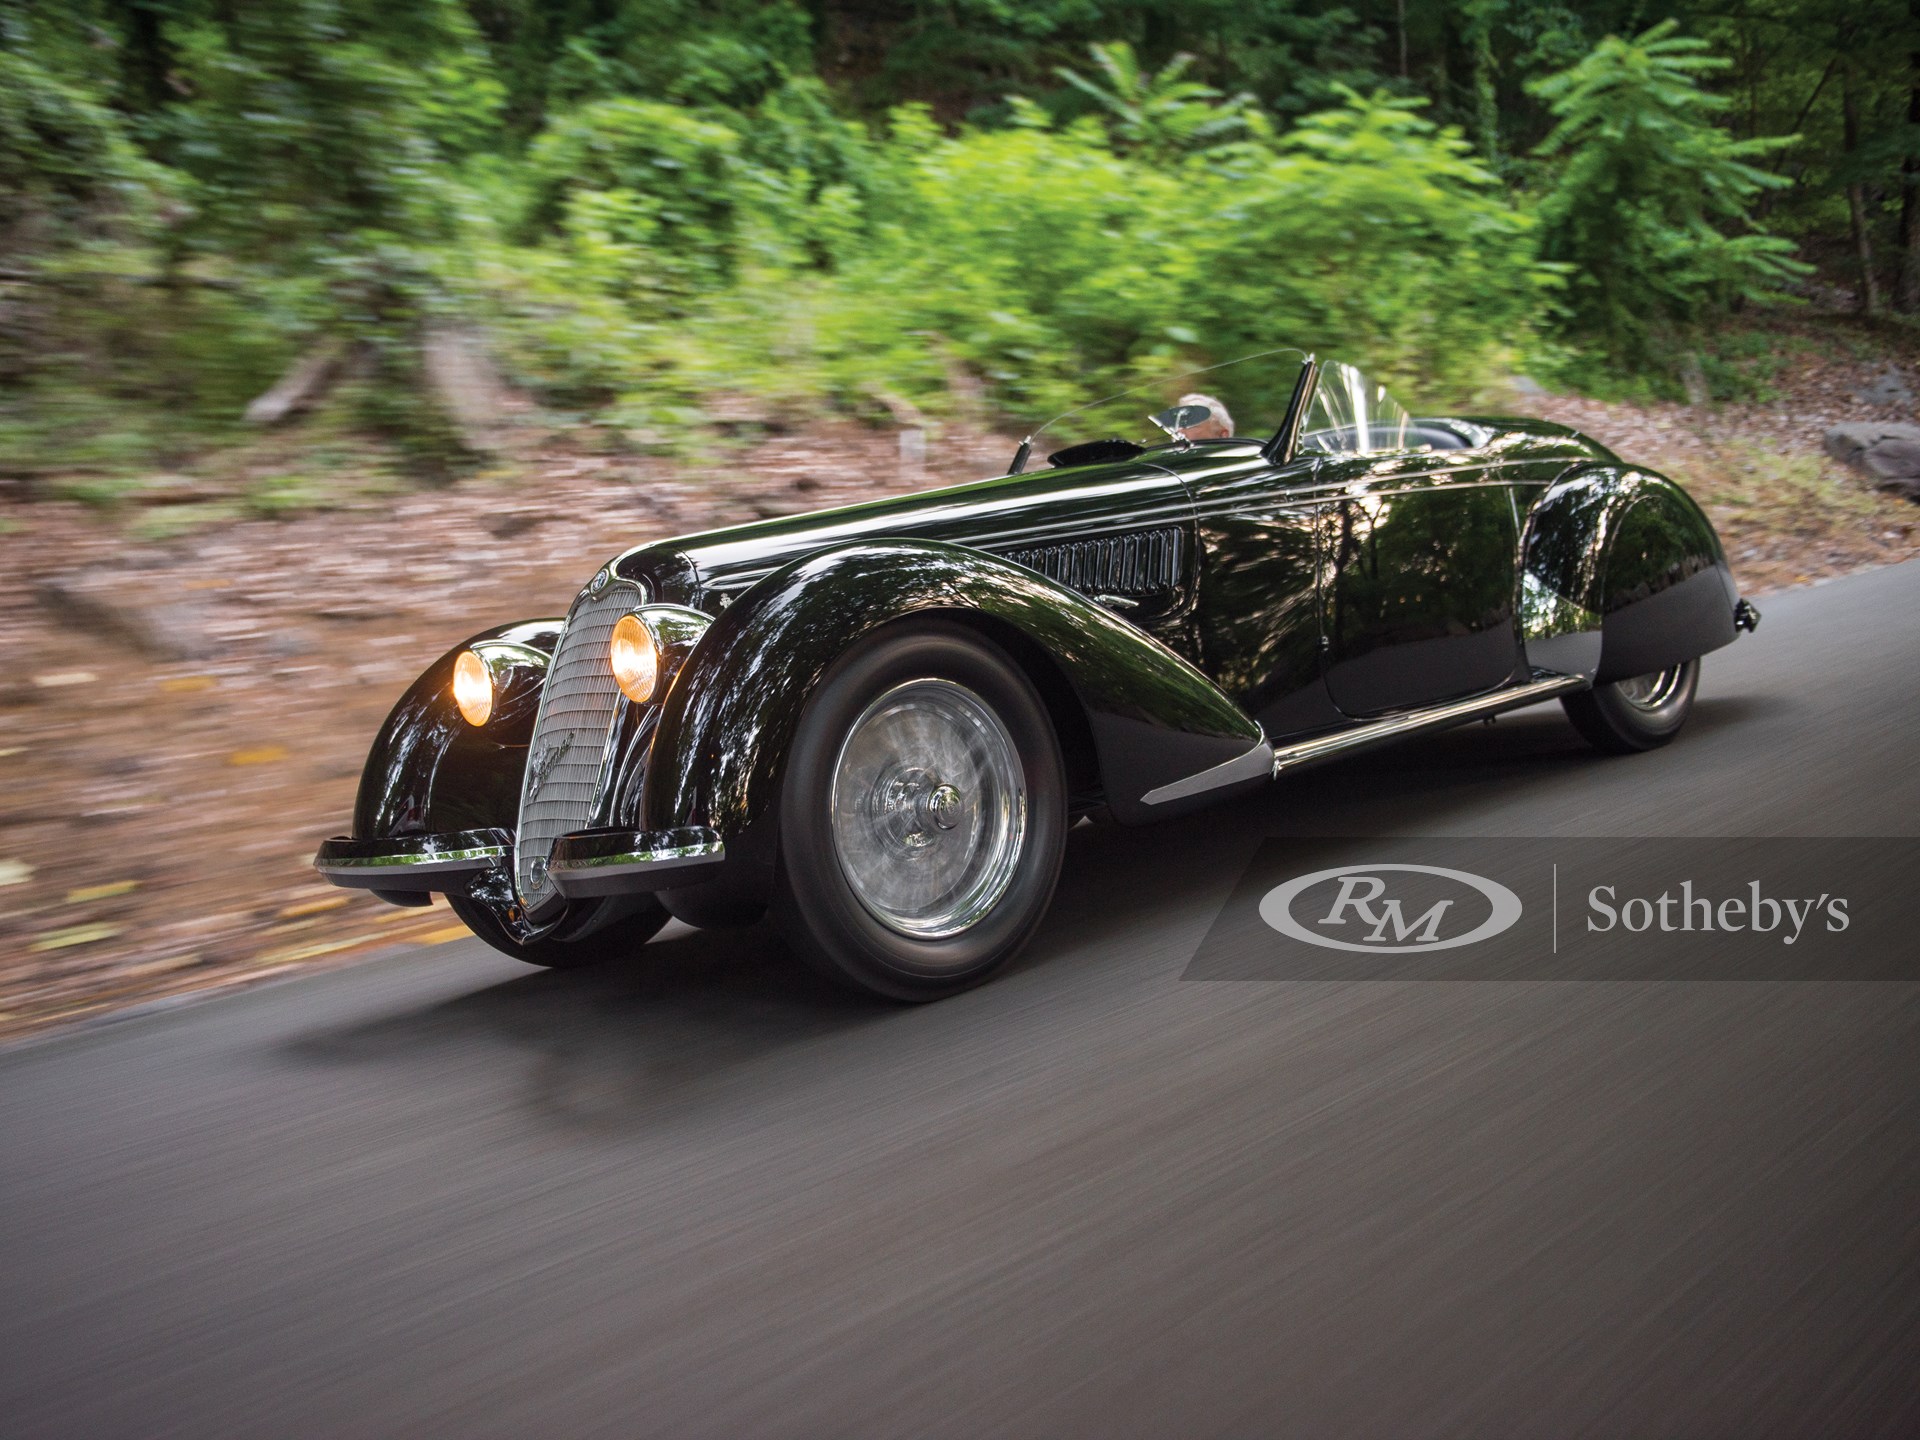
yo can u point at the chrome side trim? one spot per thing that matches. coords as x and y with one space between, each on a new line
1256 762
412 862
1543 686
622 862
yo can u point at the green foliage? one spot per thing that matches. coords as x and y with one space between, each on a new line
314 132
1160 114
1371 233
1049 266
646 196
669 212
1651 207
66 164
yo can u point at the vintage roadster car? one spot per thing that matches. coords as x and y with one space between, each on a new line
879 722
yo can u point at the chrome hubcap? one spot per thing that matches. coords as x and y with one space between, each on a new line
929 808
1650 692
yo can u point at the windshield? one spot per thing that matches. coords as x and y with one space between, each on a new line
1244 399
1351 415
1238 400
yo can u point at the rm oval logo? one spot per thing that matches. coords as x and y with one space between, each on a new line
1383 909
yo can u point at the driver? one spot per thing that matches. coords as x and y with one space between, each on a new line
1217 426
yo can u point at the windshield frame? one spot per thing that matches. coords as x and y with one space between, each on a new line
1281 441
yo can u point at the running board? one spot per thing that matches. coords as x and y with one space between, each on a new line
1396 727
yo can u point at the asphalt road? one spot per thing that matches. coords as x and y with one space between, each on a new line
439 1194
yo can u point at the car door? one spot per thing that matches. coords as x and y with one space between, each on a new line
1418 567
1256 629
1420 583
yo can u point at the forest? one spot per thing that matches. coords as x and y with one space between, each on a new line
394 227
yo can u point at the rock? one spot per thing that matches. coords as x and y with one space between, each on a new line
1887 391
1888 451
509 523
160 630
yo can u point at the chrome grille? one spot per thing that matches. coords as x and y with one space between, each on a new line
566 763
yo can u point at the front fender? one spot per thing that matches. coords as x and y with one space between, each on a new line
726 724
429 771
1622 574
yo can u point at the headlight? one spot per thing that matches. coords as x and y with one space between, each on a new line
472 688
636 659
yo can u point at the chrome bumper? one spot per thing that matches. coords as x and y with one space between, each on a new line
585 864
619 862
414 864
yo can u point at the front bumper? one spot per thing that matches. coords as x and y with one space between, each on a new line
586 864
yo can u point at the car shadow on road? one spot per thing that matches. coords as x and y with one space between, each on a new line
602 1047
607 1046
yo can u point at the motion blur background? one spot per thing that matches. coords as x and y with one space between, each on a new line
332 331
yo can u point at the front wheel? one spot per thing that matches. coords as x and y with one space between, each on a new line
1640 713
922 817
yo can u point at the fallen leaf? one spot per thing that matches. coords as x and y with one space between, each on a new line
170 962
107 891
441 937
6 750
258 755
313 907
65 677
309 952
187 684
74 935
15 872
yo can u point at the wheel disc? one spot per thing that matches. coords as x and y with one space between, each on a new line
929 808
1650 692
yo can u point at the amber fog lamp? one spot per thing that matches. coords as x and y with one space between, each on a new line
472 688
636 659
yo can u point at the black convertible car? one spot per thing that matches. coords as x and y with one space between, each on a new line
880 721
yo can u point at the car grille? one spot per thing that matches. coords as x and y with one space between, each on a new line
566 763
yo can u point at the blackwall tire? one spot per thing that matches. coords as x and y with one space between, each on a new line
923 815
1642 713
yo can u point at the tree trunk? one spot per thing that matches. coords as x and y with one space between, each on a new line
1486 101
1906 292
1869 287
1400 11
302 386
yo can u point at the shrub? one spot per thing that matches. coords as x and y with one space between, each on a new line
1650 207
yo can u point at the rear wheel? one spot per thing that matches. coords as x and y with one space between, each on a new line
598 938
1640 713
922 817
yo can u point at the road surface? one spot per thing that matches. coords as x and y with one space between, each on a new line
438 1194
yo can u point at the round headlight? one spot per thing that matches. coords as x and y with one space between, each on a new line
636 659
472 688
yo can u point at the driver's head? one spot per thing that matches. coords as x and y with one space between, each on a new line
1217 426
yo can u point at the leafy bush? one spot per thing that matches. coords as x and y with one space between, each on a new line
1052 267
1369 233
1650 209
66 163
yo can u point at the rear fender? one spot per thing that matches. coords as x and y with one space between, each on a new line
1622 574
729 718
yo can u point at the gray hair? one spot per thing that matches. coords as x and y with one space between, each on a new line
1218 410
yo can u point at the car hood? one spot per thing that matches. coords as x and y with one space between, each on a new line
1004 513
